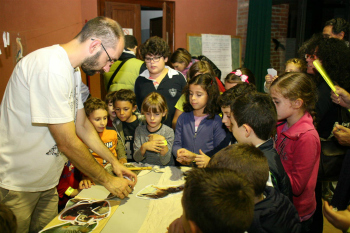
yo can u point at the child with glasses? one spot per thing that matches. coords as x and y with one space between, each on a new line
158 77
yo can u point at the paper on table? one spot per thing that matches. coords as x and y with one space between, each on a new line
162 212
218 49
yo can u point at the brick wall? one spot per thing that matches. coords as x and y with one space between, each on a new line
279 27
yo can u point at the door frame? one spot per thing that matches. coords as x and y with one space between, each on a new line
164 5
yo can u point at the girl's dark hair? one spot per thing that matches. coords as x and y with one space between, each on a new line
293 86
208 83
181 55
233 78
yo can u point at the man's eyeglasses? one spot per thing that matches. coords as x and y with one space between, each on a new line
313 56
109 58
154 59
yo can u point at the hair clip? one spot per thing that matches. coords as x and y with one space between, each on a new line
244 78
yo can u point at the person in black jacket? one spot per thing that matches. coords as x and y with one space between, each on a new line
254 118
273 211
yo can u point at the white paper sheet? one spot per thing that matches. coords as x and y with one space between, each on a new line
164 211
218 49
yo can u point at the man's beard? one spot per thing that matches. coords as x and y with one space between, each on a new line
89 64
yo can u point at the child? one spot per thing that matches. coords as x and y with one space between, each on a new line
70 184
273 211
126 122
96 112
297 141
225 100
111 113
199 67
199 128
153 142
257 129
158 77
292 65
237 76
215 200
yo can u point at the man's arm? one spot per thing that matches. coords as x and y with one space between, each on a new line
68 143
86 131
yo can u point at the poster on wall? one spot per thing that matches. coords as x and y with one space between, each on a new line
218 49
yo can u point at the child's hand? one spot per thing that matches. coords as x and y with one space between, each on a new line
123 160
269 79
185 156
155 146
155 137
202 159
86 183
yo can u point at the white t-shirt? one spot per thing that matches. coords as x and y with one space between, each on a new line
43 89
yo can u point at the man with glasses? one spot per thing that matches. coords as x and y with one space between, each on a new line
42 117
158 77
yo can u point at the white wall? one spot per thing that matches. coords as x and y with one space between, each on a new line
145 17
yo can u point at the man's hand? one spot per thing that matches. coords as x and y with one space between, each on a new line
343 98
121 171
202 159
119 187
339 219
176 226
185 156
342 134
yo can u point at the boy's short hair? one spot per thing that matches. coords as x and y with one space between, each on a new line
155 46
226 99
244 159
125 95
258 111
93 104
110 97
130 42
218 200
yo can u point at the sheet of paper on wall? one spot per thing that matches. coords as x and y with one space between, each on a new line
218 49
